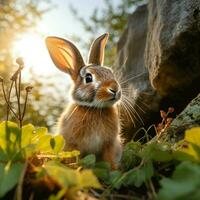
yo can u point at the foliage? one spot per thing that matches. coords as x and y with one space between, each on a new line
184 183
143 165
19 145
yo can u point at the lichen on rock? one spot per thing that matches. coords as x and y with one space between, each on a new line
188 118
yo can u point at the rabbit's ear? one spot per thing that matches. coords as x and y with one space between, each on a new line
96 53
65 55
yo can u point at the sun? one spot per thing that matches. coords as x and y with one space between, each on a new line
31 47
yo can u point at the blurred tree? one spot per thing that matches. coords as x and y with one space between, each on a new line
112 18
16 17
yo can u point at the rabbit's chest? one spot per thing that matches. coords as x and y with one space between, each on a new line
89 131
92 143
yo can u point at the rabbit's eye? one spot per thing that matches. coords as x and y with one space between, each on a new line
88 78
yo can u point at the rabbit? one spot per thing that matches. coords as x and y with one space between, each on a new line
91 122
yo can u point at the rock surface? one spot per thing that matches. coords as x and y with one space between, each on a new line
161 49
173 44
131 64
188 118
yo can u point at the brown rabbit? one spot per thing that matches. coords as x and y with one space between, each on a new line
91 122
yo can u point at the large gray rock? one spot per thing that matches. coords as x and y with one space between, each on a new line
188 118
161 49
173 44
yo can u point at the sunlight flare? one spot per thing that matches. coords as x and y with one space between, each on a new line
33 50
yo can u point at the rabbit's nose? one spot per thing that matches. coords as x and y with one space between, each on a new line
115 92
111 90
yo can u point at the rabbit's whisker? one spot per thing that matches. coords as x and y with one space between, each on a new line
129 104
137 98
135 103
123 78
70 115
128 112
125 81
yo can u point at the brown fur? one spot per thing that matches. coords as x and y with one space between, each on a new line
81 125
91 124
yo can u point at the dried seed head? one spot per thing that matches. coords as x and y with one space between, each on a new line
169 120
170 109
1 79
15 75
20 61
29 88
163 114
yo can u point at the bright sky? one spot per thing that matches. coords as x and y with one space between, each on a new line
57 22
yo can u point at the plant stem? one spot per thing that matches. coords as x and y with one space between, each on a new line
20 184
152 188
18 94
9 93
8 103
25 103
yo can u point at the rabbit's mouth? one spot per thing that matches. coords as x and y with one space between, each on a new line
112 99
115 98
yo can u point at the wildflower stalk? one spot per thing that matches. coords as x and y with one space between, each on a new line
7 102
9 93
28 89
19 94
16 82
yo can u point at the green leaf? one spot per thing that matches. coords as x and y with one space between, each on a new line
38 133
87 179
27 134
59 143
191 149
9 136
3 156
157 151
148 170
66 177
130 157
9 176
184 184
43 144
88 161
135 177
52 143
70 178
102 170
113 179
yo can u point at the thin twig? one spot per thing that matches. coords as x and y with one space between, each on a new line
8 103
25 103
8 109
18 102
19 94
152 188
